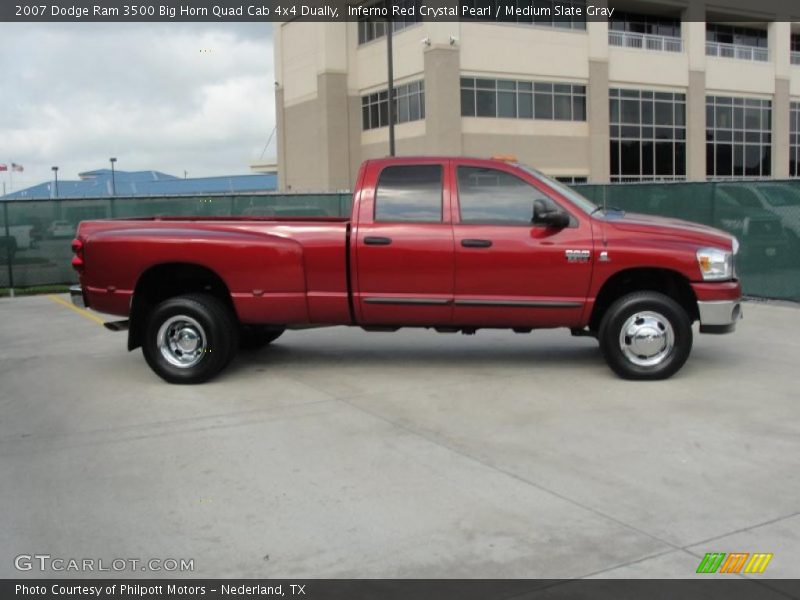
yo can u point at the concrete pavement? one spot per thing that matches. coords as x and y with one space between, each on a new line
339 453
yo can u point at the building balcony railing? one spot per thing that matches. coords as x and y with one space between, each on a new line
629 39
737 51
795 57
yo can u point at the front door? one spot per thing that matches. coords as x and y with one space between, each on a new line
509 271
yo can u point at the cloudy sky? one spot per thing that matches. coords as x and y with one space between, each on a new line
172 97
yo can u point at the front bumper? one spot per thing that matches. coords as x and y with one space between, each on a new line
719 316
76 294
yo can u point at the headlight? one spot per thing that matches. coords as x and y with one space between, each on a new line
715 264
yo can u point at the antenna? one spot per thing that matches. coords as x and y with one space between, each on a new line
268 141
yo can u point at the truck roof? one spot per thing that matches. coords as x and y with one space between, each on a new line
437 159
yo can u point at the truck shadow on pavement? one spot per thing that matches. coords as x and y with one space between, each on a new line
292 355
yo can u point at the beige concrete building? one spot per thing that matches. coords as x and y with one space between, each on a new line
661 91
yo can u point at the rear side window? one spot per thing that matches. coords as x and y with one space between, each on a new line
489 196
409 193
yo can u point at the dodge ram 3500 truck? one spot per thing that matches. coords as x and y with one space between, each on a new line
455 244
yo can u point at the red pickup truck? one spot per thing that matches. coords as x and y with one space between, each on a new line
455 244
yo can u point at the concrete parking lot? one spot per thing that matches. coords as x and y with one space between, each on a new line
339 453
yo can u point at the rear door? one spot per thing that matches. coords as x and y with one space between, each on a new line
404 257
509 271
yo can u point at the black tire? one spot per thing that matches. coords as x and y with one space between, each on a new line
659 314
254 337
193 314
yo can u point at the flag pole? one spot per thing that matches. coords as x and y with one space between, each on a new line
8 251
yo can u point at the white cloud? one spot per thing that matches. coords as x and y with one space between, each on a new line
169 97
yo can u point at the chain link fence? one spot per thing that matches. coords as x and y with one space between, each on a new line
35 235
764 215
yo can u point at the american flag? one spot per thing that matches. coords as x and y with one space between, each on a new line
17 168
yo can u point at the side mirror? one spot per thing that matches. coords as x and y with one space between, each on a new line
549 217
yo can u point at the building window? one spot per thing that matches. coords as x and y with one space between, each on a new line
632 30
373 27
741 36
572 179
795 53
409 105
409 193
645 24
727 41
738 137
648 135
794 140
511 99
541 12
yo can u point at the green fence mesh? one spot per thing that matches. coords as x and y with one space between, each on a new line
763 215
35 235
39 234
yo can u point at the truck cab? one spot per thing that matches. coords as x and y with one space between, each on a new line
467 243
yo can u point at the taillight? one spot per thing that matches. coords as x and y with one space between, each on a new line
77 250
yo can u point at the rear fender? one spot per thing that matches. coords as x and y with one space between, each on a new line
263 273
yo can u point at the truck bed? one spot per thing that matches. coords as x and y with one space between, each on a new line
277 270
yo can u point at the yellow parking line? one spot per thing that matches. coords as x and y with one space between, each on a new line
80 311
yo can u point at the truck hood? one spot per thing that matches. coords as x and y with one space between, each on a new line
668 226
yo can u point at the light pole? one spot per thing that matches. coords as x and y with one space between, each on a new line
112 160
390 76
55 172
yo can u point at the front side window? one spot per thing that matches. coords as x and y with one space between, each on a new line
489 196
409 193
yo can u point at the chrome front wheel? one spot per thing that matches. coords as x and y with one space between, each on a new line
645 335
647 338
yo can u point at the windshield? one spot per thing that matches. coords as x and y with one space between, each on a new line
581 202
781 196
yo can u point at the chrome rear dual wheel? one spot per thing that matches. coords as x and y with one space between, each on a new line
190 338
182 341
